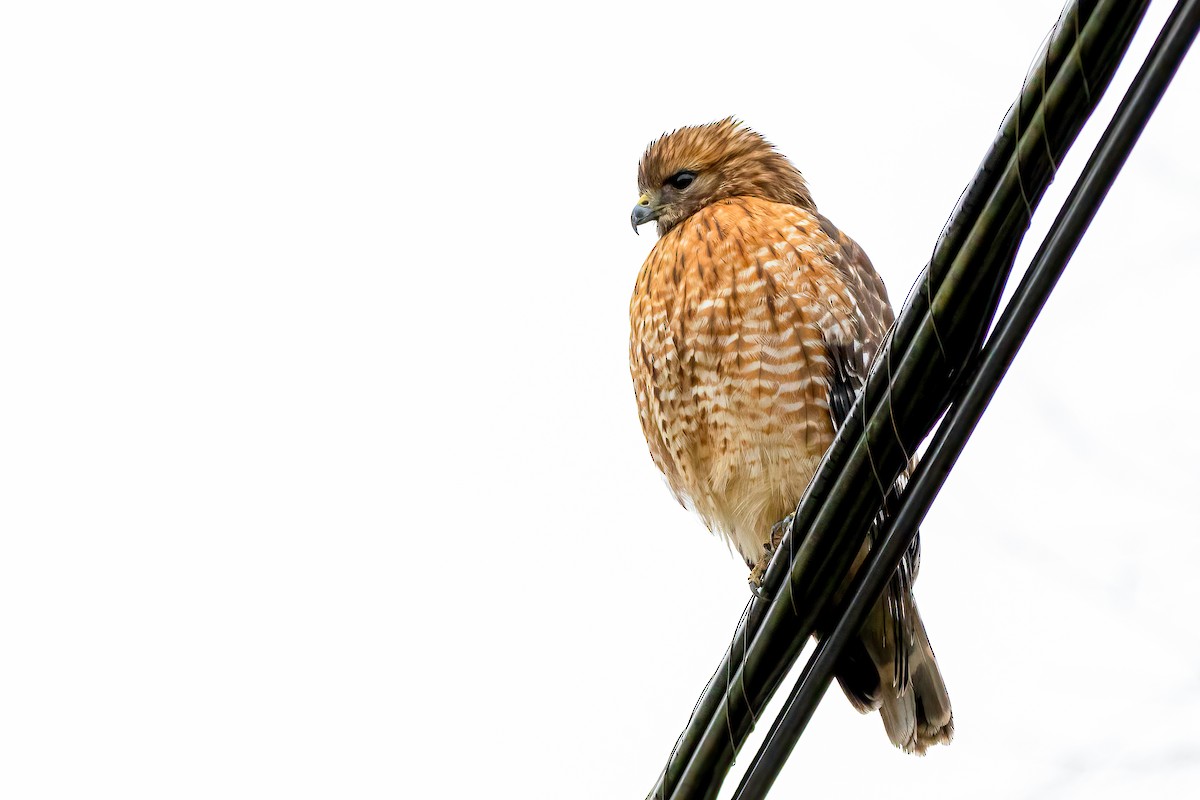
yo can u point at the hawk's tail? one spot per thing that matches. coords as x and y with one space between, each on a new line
916 710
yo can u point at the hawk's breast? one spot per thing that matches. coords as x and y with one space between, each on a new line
729 361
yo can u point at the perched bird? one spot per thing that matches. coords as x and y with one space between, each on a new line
753 324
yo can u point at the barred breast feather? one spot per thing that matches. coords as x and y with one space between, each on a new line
734 315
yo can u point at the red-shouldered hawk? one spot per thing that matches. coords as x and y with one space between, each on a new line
754 322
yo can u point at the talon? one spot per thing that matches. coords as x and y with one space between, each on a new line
780 528
759 571
759 592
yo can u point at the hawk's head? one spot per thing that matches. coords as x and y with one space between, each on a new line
683 171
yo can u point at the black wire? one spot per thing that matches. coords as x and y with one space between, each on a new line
1015 323
972 261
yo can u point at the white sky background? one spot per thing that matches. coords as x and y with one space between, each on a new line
320 472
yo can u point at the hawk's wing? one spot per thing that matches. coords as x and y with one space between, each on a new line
851 358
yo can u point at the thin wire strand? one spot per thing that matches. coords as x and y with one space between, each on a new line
742 672
1087 89
1045 80
696 706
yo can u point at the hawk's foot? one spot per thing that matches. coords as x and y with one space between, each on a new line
759 570
780 528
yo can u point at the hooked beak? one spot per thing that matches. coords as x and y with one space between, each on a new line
643 212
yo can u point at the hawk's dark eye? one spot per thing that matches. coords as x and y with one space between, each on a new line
681 180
